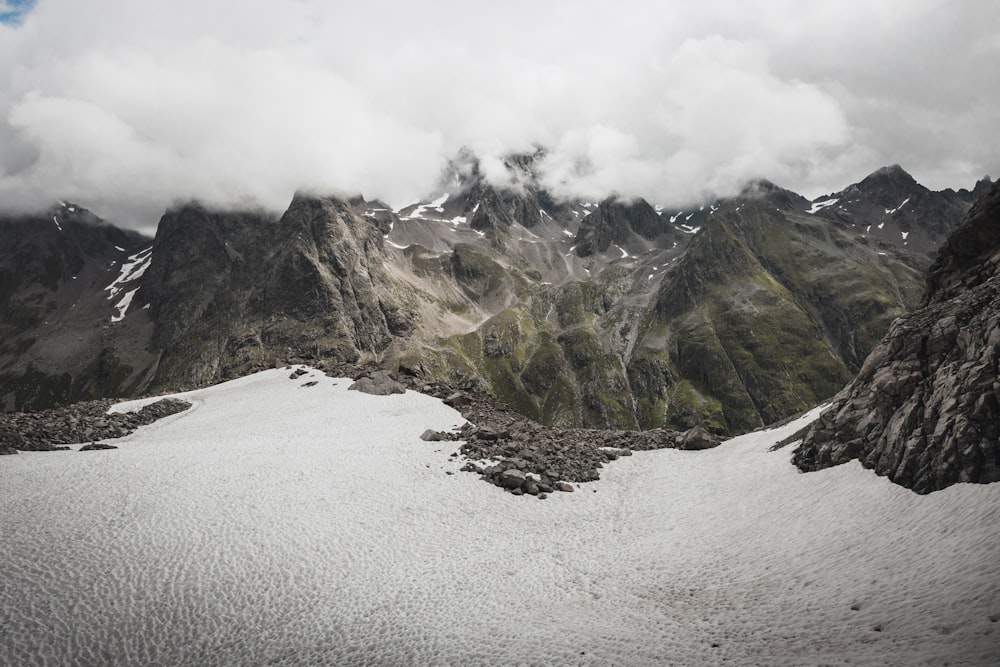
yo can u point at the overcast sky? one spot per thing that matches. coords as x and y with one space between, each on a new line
125 106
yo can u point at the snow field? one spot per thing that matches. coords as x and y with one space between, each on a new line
280 524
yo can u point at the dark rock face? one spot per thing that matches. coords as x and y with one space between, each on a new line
888 206
615 221
229 291
925 408
57 336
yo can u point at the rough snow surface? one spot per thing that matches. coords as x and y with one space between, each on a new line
622 250
820 205
275 523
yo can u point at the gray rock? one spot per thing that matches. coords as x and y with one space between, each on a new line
430 435
697 438
512 478
457 400
96 446
380 383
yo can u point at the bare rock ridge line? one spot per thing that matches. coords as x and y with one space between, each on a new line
925 408
601 315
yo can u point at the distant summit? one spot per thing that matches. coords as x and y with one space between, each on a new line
889 207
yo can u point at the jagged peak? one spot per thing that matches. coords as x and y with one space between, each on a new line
891 174
628 204
513 170
763 189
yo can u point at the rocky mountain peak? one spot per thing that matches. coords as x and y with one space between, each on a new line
892 174
982 186
763 189
616 220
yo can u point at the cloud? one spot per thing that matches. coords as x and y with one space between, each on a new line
127 107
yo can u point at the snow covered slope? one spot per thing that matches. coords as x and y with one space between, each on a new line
278 523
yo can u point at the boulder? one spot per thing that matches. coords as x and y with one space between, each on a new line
379 383
430 435
96 446
697 438
512 479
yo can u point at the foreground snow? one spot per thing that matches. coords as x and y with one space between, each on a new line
280 524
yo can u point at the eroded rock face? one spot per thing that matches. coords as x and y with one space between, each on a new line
615 221
925 408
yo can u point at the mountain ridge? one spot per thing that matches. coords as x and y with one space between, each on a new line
614 314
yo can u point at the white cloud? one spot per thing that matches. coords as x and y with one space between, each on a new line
127 106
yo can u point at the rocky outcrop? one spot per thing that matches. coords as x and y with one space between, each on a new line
925 408
89 421
528 458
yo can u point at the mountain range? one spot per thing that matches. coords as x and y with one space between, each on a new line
731 314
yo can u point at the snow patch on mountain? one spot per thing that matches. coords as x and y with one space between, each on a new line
122 306
131 270
890 211
820 205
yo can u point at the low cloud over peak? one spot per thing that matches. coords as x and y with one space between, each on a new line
127 107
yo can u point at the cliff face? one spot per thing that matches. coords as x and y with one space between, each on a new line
230 290
925 408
